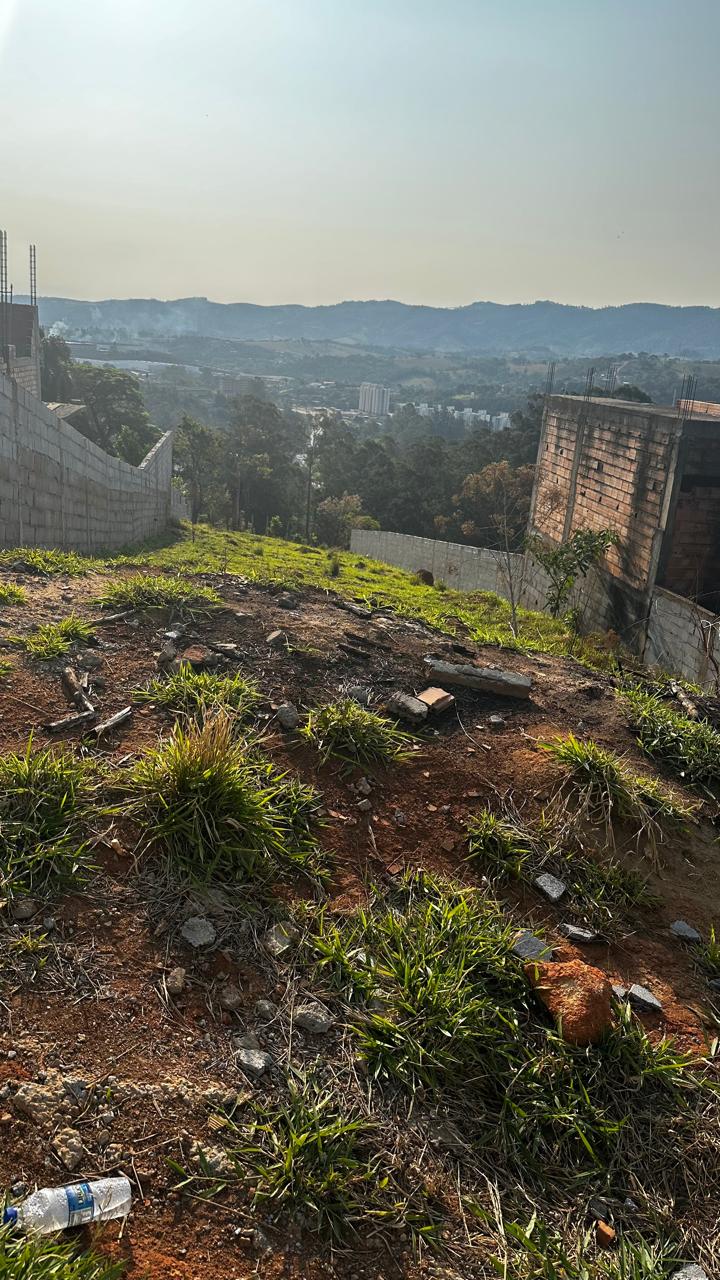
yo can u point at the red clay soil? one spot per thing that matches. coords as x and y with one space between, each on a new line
99 1009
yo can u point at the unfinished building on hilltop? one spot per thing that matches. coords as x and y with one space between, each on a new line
652 474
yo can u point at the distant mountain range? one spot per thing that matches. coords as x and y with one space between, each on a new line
542 328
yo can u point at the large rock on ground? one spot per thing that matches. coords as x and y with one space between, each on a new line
578 996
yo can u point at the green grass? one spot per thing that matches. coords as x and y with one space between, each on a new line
55 638
42 796
532 1251
24 1258
602 790
6 668
690 748
10 594
506 849
438 1002
271 560
351 733
708 954
47 561
144 591
195 693
215 808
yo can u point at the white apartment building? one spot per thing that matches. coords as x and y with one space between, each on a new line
374 400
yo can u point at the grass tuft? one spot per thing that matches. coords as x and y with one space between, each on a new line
691 748
23 1258
47 561
351 733
55 638
605 790
215 808
144 591
41 810
10 594
197 693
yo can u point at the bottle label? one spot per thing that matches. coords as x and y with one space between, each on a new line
81 1204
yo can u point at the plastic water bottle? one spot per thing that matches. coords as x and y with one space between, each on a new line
56 1208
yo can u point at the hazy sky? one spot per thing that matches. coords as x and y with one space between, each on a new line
435 151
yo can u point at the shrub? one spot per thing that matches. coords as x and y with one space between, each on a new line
56 638
196 693
179 595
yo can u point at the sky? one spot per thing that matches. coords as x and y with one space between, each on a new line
309 151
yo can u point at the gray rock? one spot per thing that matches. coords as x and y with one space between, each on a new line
248 1040
288 601
691 1271
314 1018
276 639
288 717
265 1009
553 888
358 694
528 947
619 992
682 929
281 939
254 1061
575 933
77 1088
365 806
363 787
643 999
38 1102
214 1159
198 931
508 684
497 723
400 818
407 708
599 1209
230 998
24 909
68 1147
175 981
714 983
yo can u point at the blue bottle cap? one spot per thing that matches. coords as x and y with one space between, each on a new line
10 1216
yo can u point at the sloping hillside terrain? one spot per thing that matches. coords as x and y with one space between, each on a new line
347 988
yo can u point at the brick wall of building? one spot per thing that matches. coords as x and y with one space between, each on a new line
58 489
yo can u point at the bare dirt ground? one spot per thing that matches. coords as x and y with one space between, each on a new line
145 1064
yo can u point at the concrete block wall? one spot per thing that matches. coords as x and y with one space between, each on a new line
682 638
460 567
59 489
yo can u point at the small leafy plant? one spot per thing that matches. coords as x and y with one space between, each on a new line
42 795
571 560
27 1258
197 693
499 844
144 591
351 733
45 561
56 638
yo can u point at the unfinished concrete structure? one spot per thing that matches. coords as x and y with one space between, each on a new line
23 347
652 474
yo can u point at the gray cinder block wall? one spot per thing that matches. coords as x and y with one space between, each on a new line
57 489
460 567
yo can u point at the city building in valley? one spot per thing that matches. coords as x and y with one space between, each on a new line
374 400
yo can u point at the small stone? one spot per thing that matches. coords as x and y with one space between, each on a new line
248 1040
714 983
254 1061
214 1159
314 1018
400 818
230 998
497 723
175 981
90 661
528 947
24 909
166 657
447 844
103 1138
365 806
553 888
358 694
288 717
436 700
599 1209
643 999
691 1271
281 939
198 656
276 639
265 1009
363 787
198 931
68 1147
605 1235
575 933
577 996
407 708
682 929
619 991
288 601
48 923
